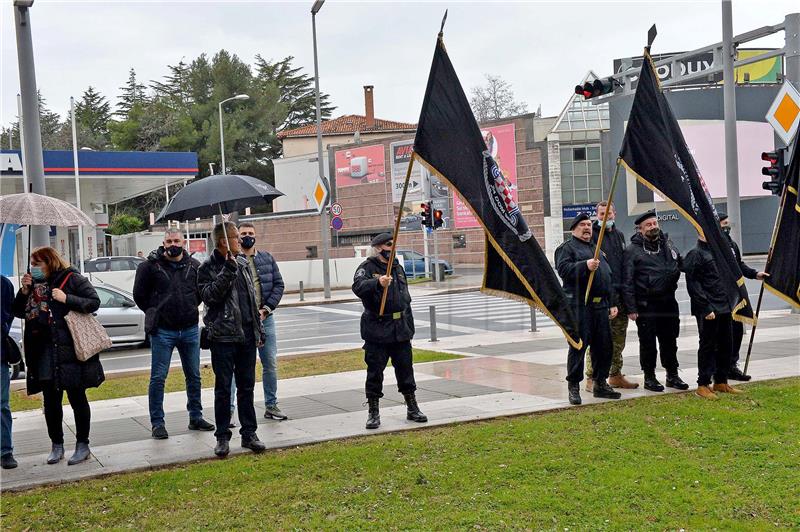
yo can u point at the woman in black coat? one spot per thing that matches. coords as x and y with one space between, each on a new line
47 294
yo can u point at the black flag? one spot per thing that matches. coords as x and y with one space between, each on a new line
449 143
656 153
784 264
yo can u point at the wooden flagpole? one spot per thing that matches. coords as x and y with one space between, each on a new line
397 230
766 267
602 230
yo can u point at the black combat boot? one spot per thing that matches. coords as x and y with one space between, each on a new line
604 391
413 412
574 389
374 416
674 381
651 383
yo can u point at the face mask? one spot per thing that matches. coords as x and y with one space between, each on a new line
385 253
38 273
609 223
248 242
726 230
652 234
174 251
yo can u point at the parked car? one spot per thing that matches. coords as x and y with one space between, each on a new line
112 264
414 263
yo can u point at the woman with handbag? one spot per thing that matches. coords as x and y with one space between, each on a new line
48 293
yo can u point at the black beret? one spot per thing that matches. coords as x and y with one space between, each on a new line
722 216
645 216
578 219
381 239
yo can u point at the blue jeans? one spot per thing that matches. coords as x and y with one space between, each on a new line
5 426
162 343
268 353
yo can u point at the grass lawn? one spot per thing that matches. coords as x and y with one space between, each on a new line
656 463
301 366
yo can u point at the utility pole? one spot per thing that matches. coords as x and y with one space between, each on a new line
30 126
791 58
731 144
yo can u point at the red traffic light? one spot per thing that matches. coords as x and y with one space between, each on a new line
771 156
598 87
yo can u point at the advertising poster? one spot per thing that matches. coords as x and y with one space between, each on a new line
360 165
501 143
415 196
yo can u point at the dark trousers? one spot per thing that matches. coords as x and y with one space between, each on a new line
377 356
658 321
738 333
229 360
714 352
54 414
595 331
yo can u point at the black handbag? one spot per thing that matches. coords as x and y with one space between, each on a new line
11 352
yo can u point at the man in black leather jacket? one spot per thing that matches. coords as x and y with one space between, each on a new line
233 328
735 373
389 335
575 261
651 269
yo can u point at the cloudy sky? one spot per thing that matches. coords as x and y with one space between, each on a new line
542 48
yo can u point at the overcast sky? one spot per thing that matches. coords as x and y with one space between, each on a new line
542 48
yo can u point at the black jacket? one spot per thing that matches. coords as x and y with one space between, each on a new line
270 278
571 257
650 272
217 281
6 298
704 282
614 247
747 271
173 286
49 351
397 322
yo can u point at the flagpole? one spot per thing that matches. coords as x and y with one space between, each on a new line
766 267
602 230
397 230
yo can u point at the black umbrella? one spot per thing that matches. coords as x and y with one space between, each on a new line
218 194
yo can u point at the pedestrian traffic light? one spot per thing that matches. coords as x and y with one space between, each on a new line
598 87
427 214
437 219
776 171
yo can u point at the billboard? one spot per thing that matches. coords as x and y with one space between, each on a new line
360 165
501 143
419 179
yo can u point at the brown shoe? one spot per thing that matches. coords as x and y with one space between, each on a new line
705 392
619 381
589 384
726 388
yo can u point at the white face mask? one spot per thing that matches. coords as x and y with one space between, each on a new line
609 223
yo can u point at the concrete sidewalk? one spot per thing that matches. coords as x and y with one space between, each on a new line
501 375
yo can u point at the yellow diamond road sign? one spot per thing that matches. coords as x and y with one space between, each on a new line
320 194
784 113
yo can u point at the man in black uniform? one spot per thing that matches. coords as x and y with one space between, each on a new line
575 261
650 279
388 335
738 328
614 247
711 309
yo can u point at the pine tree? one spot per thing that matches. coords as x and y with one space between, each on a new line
132 94
174 89
92 115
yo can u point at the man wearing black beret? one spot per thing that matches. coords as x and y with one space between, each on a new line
735 373
575 261
650 272
388 335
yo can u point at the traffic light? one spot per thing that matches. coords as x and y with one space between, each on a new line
427 214
598 87
437 219
776 170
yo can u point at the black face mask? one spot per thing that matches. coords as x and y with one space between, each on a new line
726 230
174 251
248 242
653 234
385 253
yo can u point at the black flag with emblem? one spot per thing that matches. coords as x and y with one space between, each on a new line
449 143
655 152
784 264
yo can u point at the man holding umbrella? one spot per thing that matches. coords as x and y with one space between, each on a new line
233 329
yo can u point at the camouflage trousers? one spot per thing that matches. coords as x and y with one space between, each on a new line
619 329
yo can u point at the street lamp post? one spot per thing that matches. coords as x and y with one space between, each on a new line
323 218
221 133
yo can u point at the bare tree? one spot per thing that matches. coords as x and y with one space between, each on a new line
495 100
